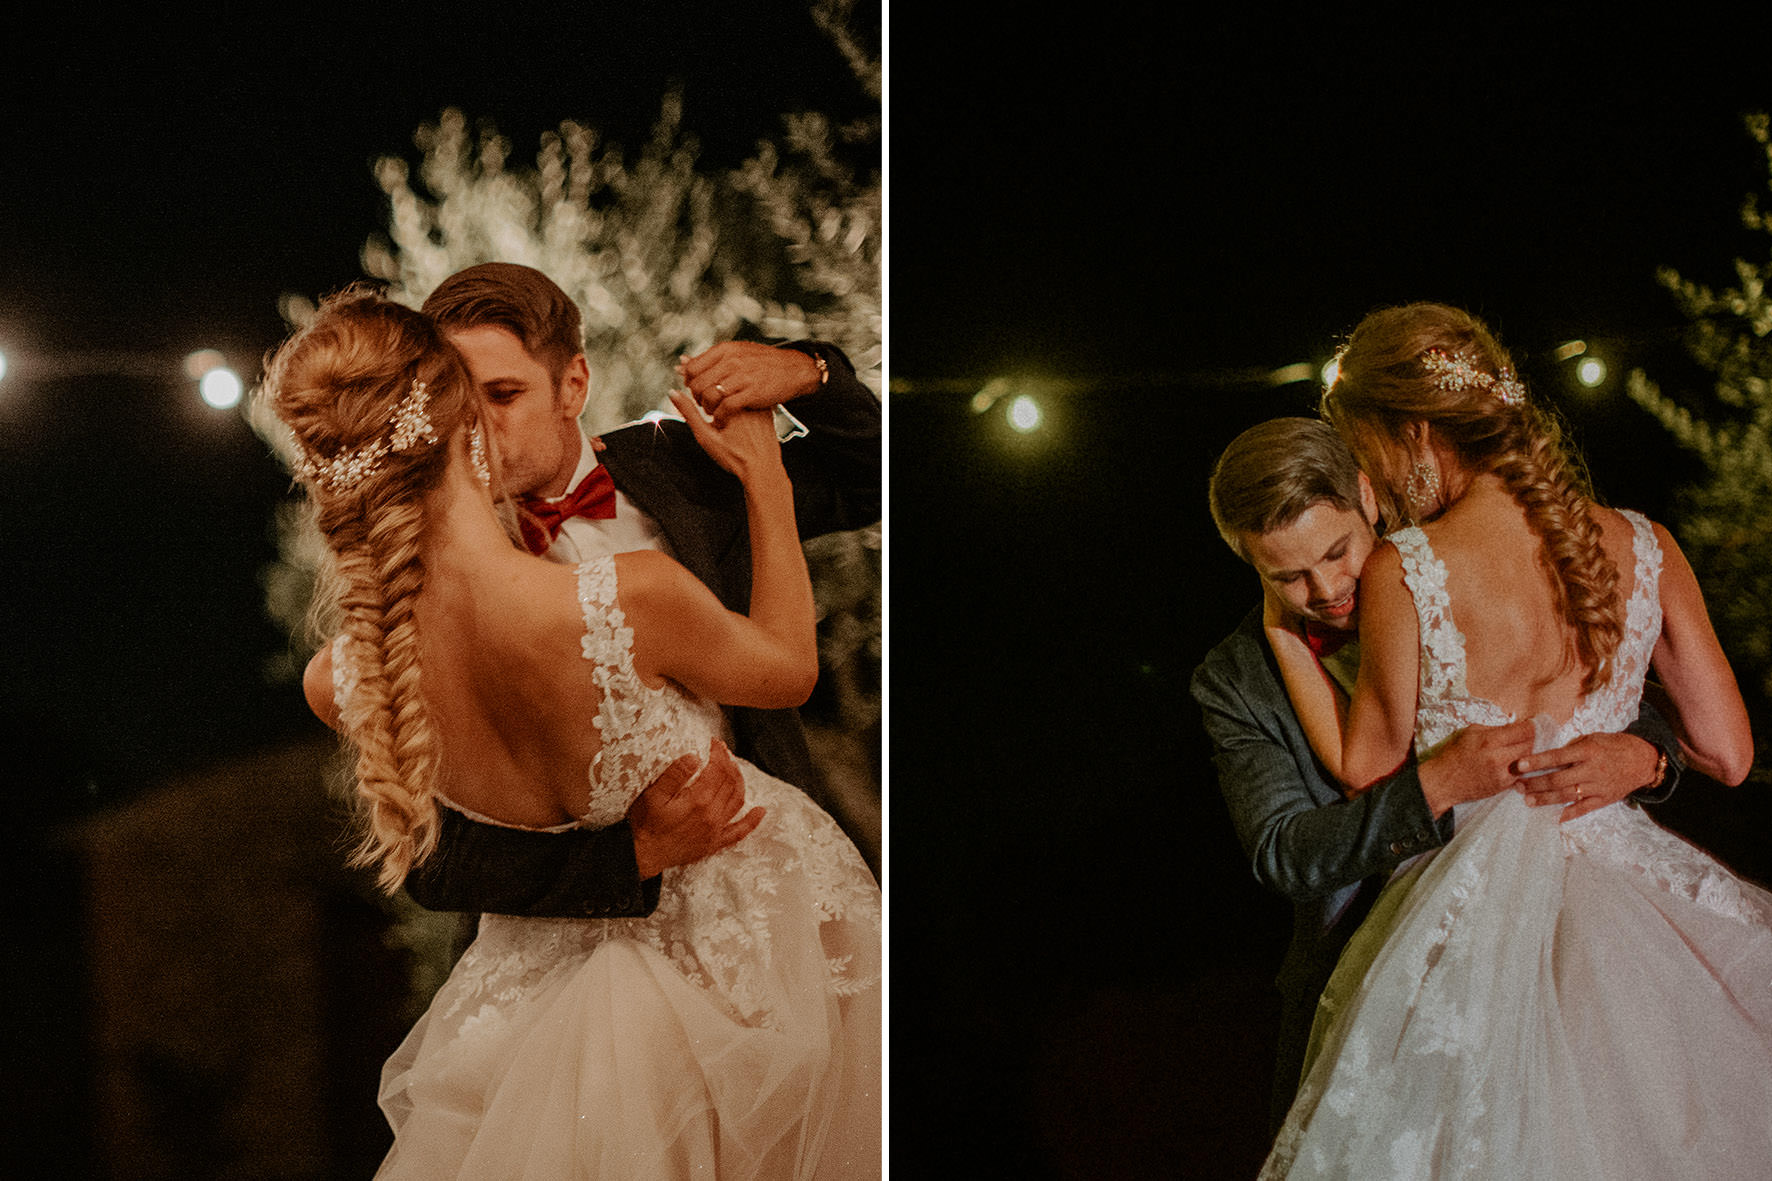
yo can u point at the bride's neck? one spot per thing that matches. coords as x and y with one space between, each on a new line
463 532
1467 487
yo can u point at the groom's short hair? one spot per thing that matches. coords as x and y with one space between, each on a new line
519 299
1274 471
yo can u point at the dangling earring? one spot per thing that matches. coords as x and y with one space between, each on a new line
477 456
1422 489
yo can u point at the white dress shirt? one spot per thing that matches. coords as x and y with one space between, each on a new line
582 538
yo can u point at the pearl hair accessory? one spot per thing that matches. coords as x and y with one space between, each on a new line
348 468
1456 372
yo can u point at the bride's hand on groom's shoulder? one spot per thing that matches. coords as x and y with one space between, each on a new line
1591 772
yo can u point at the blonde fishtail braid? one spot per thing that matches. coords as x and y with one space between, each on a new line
371 392
1584 578
396 749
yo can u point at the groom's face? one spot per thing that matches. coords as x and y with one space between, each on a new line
1313 564
533 416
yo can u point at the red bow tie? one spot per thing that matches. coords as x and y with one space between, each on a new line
541 520
1325 641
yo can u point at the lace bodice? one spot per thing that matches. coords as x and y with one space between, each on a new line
718 920
643 729
1444 703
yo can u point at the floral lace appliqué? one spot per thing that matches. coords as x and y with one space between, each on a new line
714 917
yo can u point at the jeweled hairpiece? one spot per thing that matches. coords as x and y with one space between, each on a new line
349 468
1456 372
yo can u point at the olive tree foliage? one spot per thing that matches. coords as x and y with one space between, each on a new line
1725 520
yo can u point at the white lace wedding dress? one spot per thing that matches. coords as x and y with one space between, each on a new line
1585 1000
734 1033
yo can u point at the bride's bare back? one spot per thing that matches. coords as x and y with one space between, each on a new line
1519 651
509 692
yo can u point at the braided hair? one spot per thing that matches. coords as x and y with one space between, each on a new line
372 394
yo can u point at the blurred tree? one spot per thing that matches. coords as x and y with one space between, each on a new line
1725 522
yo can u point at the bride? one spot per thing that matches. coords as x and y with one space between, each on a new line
1590 999
735 1032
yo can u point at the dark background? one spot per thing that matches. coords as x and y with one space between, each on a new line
1153 207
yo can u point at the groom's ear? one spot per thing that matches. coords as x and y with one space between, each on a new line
1368 500
575 386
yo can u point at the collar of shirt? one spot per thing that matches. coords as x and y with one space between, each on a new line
582 539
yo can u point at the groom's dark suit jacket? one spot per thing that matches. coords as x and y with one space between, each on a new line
1328 854
700 509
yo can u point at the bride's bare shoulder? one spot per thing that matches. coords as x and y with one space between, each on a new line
1618 535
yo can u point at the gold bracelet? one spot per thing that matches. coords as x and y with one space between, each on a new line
824 371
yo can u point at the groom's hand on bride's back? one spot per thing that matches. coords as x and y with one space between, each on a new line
1476 763
688 812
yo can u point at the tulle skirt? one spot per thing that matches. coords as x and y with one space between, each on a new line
735 1034
1590 1000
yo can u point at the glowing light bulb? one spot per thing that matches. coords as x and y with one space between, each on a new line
1591 372
221 388
1024 414
1331 371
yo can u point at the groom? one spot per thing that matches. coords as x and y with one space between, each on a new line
647 486
1289 499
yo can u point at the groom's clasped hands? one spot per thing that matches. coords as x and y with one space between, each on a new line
1591 772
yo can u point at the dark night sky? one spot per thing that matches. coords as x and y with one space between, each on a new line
1075 193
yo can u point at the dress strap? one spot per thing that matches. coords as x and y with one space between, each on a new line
1642 613
1442 644
1646 550
609 646
608 641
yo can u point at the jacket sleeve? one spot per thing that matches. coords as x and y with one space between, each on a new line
836 466
1652 727
584 873
1296 845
